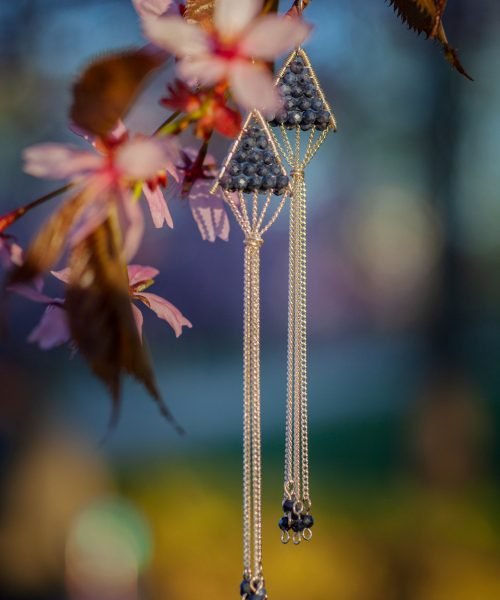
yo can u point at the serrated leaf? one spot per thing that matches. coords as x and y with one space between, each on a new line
100 315
106 89
425 16
48 245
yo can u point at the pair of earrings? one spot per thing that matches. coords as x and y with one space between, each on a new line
256 186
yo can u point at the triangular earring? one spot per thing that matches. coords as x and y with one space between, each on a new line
306 113
256 187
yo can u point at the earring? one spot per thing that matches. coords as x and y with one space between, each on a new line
305 110
255 186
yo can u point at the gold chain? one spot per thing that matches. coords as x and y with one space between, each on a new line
296 472
252 221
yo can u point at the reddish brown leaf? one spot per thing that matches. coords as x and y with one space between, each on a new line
100 316
108 86
424 16
47 247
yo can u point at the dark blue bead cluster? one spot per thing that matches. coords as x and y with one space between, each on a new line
302 103
247 593
254 166
294 521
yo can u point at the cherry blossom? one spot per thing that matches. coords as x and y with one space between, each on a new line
53 328
215 114
140 279
233 49
151 189
108 178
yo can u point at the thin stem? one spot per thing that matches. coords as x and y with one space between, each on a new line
171 118
14 215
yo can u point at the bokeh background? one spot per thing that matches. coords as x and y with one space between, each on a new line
404 247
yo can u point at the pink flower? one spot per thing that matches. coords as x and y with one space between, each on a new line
108 177
234 49
141 278
208 210
151 189
52 329
10 253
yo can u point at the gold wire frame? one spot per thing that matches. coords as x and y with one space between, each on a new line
251 218
292 153
302 53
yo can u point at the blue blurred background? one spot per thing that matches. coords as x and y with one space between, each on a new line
404 251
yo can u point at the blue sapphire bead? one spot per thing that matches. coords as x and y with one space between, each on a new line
248 143
305 104
298 525
254 156
309 116
260 595
282 182
308 521
268 182
297 66
268 158
239 182
245 588
317 104
234 168
249 169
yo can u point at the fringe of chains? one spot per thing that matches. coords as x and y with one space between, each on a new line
297 444
252 504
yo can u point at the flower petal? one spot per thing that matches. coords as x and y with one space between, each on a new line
209 212
60 161
271 35
232 16
132 226
10 253
26 291
142 158
152 8
253 87
119 131
52 330
177 36
62 274
138 318
158 207
139 273
91 218
165 310
204 69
